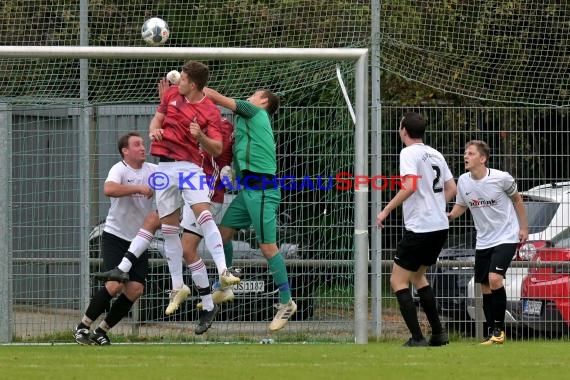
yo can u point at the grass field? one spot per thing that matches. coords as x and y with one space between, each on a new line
515 360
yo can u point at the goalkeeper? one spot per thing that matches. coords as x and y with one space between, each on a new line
259 196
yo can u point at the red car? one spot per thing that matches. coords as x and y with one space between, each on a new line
545 295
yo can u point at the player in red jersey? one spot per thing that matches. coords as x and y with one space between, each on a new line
193 234
186 124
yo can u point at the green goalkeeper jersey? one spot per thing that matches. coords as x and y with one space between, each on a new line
254 146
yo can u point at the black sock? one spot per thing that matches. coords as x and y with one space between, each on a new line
131 257
409 312
499 307
204 291
488 312
427 301
118 311
99 304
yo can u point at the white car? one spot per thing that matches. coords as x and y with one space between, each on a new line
548 212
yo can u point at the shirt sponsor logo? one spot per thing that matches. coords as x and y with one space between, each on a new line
482 203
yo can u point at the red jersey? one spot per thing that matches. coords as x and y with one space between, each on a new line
177 142
225 158
213 166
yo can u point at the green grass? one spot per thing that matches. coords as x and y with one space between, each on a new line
387 360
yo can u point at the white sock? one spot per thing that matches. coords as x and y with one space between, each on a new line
86 321
207 302
173 253
199 274
104 326
200 279
139 244
213 239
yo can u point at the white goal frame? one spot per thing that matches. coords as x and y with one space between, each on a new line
357 55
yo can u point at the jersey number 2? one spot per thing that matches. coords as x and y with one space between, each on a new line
436 187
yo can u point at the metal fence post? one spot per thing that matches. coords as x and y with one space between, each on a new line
478 312
136 318
6 226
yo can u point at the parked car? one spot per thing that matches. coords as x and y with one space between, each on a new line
255 295
545 298
547 216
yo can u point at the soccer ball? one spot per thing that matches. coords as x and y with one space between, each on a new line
155 31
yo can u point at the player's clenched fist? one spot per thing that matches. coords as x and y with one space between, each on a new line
156 134
195 130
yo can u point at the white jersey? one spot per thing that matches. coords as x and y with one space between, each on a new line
127 214
424 210
490 204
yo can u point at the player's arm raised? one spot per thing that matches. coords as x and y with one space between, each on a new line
219 99
155 130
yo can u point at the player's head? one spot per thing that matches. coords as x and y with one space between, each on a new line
266 100
476 154
131 147
414 125
193 73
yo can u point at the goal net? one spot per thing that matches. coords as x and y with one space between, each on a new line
54 208
504 51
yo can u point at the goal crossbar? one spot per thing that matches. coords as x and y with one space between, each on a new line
117 52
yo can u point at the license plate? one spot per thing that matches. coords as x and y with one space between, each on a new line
531 307
249 287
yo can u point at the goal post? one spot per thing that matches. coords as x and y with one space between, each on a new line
5 227
358 57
